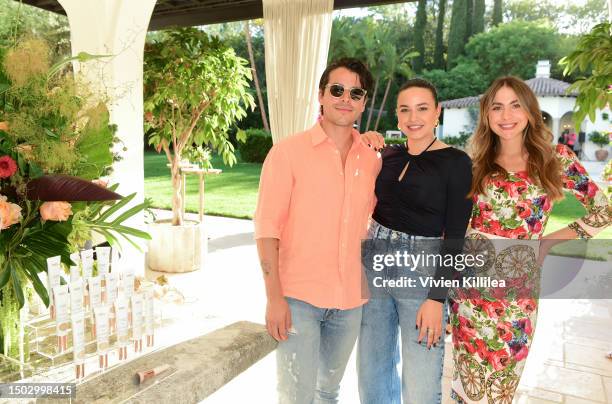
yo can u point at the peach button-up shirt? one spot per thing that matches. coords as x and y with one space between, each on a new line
319 211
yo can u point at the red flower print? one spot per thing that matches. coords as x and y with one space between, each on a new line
525 325
569 184
504 329
466 328
468 347
494 309
519 352
499 359
545 203
591 189
527 305
8 166
481 348
524 211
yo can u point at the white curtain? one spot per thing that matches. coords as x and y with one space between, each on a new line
297 36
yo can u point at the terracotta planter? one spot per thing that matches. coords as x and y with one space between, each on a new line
601 154
176 248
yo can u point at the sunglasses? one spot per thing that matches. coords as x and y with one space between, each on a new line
336 90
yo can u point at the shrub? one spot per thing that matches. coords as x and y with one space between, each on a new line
256 146
599 138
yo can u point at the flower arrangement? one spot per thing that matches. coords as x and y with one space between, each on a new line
55 143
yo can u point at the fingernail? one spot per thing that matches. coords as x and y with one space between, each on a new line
429 348
416 327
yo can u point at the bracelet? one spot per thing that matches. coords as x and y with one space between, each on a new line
582 234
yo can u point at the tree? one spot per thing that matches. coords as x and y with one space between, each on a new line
396 63
594 52
419 32
439 50
18 20
262 106
509 49
195 89
469 16
464 80
456 36
478 19
497 12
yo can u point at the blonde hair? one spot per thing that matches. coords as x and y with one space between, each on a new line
542 165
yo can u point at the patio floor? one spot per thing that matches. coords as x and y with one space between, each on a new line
567 363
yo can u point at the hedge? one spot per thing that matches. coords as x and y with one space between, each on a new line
256 147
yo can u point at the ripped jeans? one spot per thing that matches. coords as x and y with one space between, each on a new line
311 362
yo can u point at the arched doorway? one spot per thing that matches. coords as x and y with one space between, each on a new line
567 123
547 119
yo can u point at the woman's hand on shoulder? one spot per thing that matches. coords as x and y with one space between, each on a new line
373 140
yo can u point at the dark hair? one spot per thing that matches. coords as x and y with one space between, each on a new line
356 66
421 83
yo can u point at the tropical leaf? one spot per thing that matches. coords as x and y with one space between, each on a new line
67 188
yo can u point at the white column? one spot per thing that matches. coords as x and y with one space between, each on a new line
297 34
555 128
117 28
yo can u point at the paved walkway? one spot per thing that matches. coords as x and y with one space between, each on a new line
566 365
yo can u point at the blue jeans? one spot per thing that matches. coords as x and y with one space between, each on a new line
388 311
311 362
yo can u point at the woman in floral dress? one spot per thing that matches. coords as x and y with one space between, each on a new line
518 174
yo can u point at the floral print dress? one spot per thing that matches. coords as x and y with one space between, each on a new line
493 327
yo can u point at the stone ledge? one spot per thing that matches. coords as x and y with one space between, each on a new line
198 368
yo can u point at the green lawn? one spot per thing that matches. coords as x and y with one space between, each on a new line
234 192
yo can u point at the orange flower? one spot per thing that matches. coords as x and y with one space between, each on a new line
10 213
55 211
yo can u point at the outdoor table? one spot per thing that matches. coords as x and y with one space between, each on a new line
201 172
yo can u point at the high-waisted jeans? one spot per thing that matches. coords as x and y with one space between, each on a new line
389 310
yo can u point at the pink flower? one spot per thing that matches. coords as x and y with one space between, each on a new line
10 213
525 325
569 184
101 183
504 329
527 305
466 328
591 189
8 166
499 359
55 211
537 226
521 353
546 203
494 309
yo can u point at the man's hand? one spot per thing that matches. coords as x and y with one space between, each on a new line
429 322
278 318
373 140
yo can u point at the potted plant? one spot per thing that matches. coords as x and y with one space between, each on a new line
602 140
196 88
54 145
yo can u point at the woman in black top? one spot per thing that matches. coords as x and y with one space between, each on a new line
422 210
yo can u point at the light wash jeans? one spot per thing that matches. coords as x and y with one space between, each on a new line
311 362
388 311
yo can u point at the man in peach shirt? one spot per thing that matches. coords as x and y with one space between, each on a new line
316 194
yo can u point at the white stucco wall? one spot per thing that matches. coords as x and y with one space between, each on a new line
456 120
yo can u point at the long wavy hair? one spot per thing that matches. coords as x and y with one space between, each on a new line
542 165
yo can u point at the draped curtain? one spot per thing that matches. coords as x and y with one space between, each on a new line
297 34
